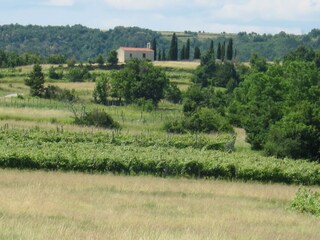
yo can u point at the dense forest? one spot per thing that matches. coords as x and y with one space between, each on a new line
83 43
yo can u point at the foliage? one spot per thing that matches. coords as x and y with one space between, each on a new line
53 74
230 50
201 120
279 109
100 60
307 201
139 79
197 53
207 120
84 43
173 52
13 59
54 92
113 58
97 118
210 73
301 54
173 93
100 93
197 97
35 81
109 152
57 59
258 63
78 74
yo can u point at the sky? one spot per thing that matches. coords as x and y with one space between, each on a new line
231 16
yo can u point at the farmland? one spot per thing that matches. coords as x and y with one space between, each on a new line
125 182
56 205
40 134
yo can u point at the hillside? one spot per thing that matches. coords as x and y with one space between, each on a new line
84 43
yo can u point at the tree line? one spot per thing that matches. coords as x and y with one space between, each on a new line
85 44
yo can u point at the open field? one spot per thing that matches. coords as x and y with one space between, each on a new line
40 134
42 205
178 64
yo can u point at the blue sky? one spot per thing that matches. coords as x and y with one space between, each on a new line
271 16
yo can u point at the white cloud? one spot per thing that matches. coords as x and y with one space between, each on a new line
270 10
60 2
142 4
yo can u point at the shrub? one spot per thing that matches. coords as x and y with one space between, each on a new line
100 93
203 120
78 74
175 126
54 92
97 118
173 93
55 75
307 201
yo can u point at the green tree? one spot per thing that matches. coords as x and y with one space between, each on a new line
173 52
140 80
164 57
197 53
219 51
53 74
183 53
230 50
113 58
100 60
187 54
36 81
100 93
154 47
258 63
223 51
211 48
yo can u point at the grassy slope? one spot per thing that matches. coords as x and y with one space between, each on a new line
40 205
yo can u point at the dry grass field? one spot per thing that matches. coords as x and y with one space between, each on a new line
177 64
51 205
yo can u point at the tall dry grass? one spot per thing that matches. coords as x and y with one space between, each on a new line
48 205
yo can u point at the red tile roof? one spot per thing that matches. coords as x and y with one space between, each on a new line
130 49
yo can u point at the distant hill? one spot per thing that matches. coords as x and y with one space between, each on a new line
85 43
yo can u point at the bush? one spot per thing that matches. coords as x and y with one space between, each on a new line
54 92
55 75
203 120
293 137
78 74
173 93
307 201
97 118
175 126
146 105
207 120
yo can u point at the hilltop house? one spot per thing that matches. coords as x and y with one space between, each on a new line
127 53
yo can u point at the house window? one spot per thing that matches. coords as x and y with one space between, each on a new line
144 55
130 55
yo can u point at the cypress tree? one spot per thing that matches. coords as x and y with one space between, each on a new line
223 51
211 46
154 47
159 56
183 53
219 51
197 53
173 52
187 54
230 50
164 55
